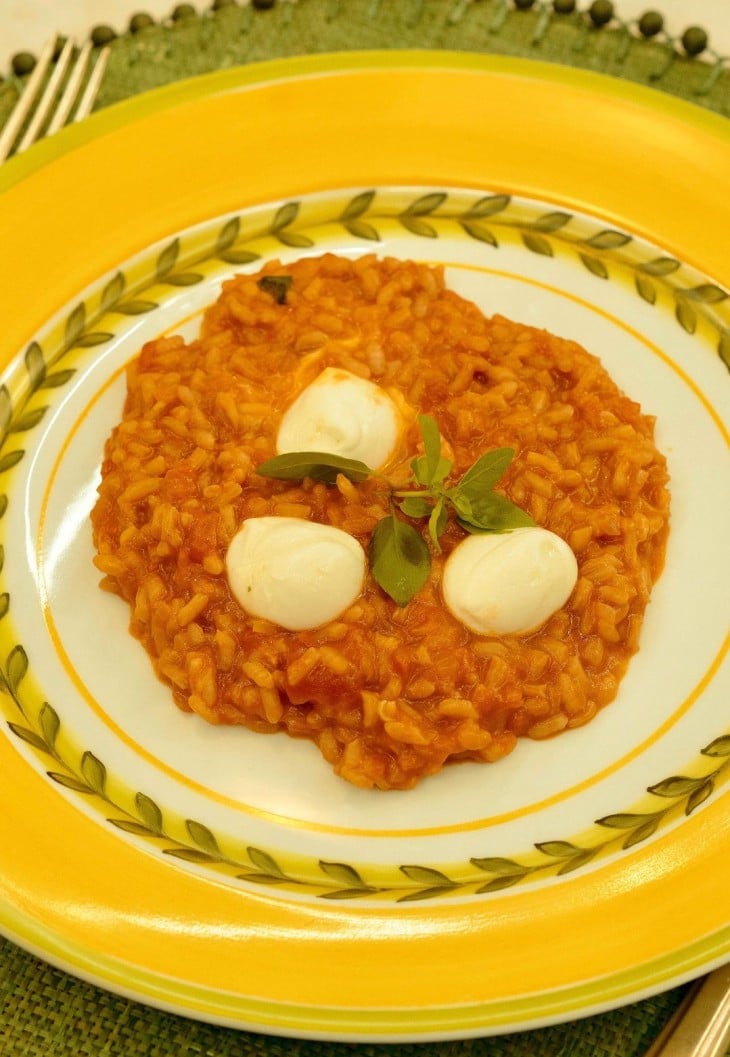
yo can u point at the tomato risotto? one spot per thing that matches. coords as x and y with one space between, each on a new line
389 693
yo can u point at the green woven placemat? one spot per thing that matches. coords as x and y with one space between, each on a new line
161 53
44 1012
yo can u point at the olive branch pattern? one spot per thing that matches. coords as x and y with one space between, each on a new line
244 240
341 880
234 242
594 252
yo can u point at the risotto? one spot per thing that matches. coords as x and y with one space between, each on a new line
389 693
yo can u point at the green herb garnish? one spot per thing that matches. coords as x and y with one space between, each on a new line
276 285
319 465
400 559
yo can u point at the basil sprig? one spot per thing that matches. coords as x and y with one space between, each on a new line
400 560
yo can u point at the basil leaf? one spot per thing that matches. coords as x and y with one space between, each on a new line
431 468
276 285
399 559
461 503
437 522
421 472
443 469
431 444
486 471
415 506
494 513
319 465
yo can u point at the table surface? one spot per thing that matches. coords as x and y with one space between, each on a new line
26 24
44 1011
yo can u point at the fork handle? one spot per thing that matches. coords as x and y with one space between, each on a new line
701 1027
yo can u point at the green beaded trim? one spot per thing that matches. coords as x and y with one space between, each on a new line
228 33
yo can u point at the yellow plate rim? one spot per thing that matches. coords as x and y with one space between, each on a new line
72 926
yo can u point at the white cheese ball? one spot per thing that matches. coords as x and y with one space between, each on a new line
298 574
508 583
343 415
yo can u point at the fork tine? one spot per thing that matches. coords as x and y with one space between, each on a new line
25 103
70 92
92 87
48 97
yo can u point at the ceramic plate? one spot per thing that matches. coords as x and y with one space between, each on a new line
199 869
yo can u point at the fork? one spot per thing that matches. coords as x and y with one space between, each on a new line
701 1025
47 109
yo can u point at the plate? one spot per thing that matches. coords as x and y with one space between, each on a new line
196 869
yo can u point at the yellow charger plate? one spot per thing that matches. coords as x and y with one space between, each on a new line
204 872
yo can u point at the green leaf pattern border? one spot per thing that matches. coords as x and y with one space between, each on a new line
49 363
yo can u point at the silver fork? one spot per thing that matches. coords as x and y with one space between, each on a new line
47 109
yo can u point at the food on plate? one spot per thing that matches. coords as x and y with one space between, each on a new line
508 582
466 560
343 414
296 573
